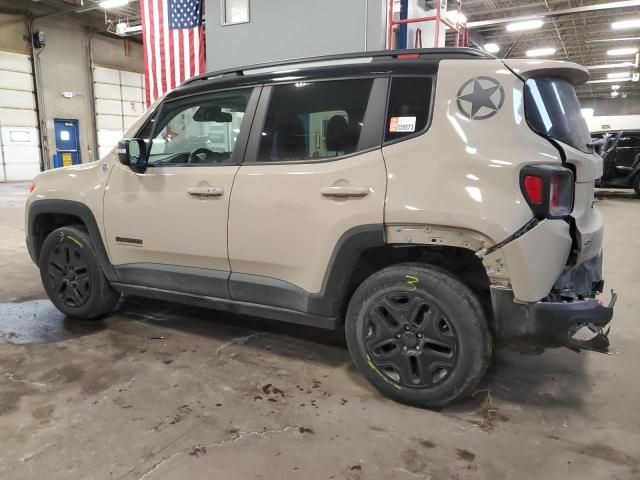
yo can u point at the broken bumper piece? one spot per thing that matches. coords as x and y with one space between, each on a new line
539 325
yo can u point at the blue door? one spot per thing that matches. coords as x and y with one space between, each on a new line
67 142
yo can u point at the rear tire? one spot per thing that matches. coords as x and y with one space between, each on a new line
418 334
72 276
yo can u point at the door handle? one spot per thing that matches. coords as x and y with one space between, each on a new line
346 191
206 191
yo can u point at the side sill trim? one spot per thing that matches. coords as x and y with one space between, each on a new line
232 306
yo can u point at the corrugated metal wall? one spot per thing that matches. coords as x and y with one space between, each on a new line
119 103
19 141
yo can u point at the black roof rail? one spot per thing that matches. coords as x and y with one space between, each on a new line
378 55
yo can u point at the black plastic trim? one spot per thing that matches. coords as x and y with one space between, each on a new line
232 306
197 281
67 207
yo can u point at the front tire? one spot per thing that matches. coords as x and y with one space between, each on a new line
72 277
418 335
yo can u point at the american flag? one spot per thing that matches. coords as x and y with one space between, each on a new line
173 41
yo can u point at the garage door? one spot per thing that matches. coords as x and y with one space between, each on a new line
19 142
119 103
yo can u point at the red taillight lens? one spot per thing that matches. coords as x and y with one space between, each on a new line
533 188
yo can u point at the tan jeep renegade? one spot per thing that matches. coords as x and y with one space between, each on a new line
434 202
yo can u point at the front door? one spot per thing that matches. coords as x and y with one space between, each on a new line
626 156
167 227
313 176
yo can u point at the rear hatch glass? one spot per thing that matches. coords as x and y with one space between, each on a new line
553 110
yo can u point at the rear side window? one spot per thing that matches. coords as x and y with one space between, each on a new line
553 110
314 120
409 106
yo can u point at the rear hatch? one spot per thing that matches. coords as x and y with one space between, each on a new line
553 111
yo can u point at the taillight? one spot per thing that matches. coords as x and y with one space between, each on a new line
548 190
533 188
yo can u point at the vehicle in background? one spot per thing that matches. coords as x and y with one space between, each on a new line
620 151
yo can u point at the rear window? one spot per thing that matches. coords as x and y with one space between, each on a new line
553 110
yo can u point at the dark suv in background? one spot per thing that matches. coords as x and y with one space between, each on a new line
620 150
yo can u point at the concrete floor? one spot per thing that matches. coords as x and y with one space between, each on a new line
162 391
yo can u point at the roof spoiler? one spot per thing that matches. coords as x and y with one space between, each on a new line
526 69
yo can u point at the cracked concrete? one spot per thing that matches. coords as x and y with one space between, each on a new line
161 391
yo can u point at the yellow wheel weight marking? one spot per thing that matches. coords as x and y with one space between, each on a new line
382 375
412 281
77 242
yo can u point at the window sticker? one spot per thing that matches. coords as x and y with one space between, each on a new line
402 124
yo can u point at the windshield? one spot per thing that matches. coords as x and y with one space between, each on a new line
553 110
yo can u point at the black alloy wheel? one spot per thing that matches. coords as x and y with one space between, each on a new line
410 340
69 274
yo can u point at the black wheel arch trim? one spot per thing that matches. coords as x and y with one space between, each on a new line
73 208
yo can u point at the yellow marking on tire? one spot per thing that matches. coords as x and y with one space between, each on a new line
77 242
382 375
412 281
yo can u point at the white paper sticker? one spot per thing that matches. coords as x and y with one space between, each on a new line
402 124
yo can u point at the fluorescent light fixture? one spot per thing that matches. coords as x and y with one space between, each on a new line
524 25
619 75
492 47
456 18
587 112
113 3
611 65
622 51
626 24
124 29
541 52
610 80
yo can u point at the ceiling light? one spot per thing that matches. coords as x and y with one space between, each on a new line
541 52
611 65
492 47
525 25
615 87
619 75
610 80
625 24
113 3
124 29
622 51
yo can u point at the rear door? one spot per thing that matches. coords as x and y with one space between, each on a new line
313 177
626 155
167 227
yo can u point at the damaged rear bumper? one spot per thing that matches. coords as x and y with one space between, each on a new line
547 324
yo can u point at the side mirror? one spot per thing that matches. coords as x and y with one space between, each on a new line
133 154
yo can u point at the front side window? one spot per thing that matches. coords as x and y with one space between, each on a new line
313 121
199 130
409 106
553 110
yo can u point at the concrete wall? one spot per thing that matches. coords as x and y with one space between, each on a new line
64 66
282 29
